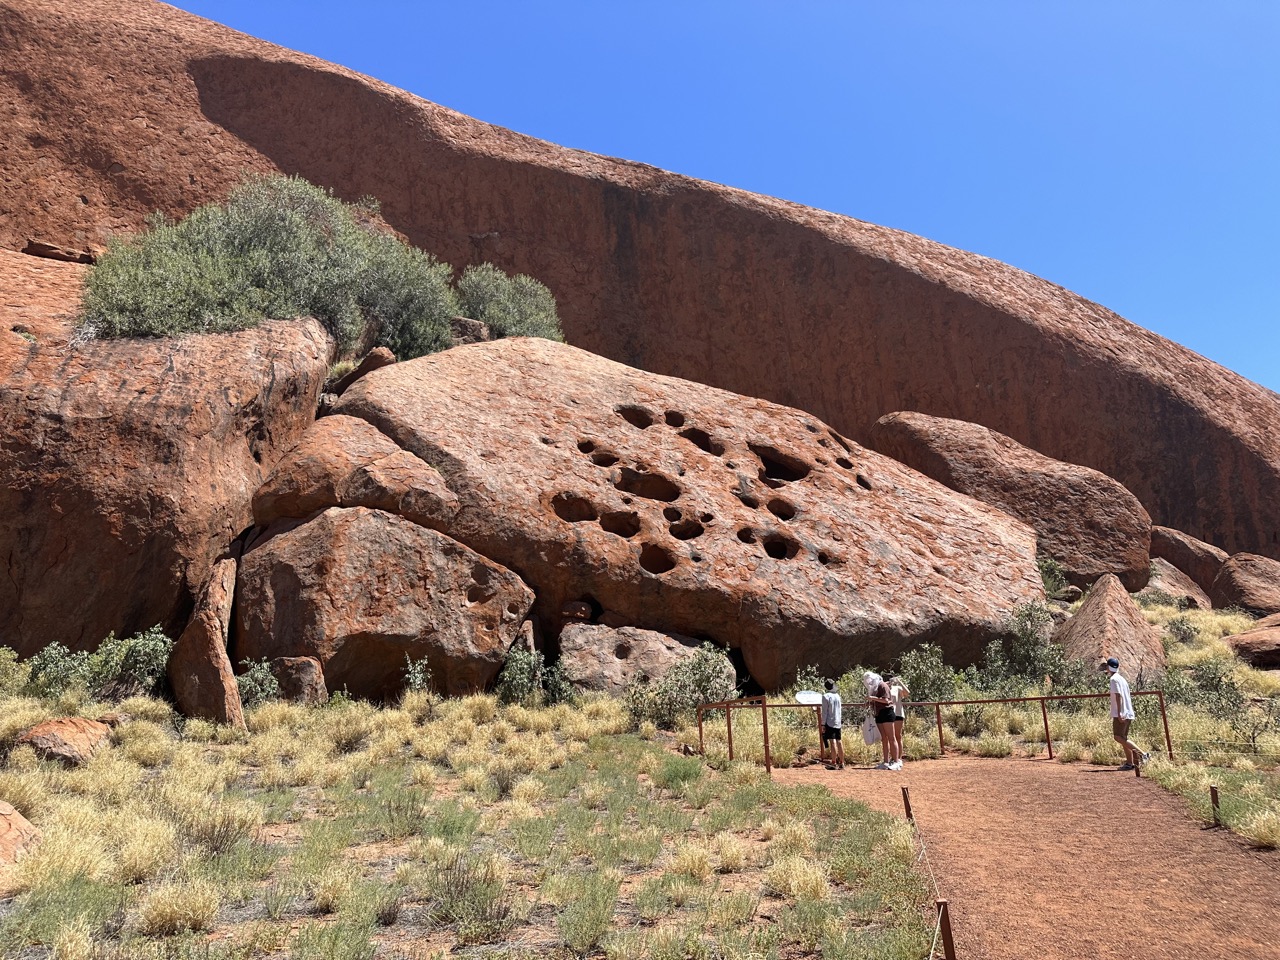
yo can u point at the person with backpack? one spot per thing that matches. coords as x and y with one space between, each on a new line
832 724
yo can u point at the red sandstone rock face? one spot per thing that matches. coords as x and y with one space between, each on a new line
301 679
1086 521
119 107
1258 648
1109 624
1198 560
67 740
1169 579
17 835
675 507
359 590
1249 582
126 467
596 657
200 673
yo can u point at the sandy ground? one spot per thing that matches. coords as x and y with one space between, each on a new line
1047 860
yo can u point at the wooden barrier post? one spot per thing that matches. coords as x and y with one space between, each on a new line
937 711
728 726
944 927
906 803
1213 800
1164 717
702 745
1044 714
764 722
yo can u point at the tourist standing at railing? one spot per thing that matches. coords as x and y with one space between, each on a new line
1122 716
878 695
898 697
832 722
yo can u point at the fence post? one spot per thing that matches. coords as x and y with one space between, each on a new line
728 726
944 927
1213 799
702 745
1164 717
937 712
906 803
764 721
1044 714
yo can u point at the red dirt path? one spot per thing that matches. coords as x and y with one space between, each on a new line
1048 860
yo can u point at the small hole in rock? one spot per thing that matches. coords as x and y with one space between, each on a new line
811 428
602 459
636 416
675 418
706 518
747 535
863 482
622 651
749 501
695 557
780 547
778 466
781 509
672 514
548 441
621 523
651 486
477 593
844 462
824 442
687 530
843 443
656 559
586 446
824 558
573 508
513 607
702 440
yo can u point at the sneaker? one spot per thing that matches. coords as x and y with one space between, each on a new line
896 765
1126 766
1145 758
883 766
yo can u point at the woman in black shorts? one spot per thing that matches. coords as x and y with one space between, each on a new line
881 701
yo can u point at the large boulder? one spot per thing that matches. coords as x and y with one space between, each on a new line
301 679
1198 560
1259 648
361 590
127 466
676 507
596 657
17 835
1249 582
200 672
767 298
70 741
1109 624
1168 580
1083 519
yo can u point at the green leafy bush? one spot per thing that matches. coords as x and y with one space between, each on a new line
927 677
119 667
1052 575
282 247
1209 685
527 679
516 306
1030 658
417 674
257 684
706 676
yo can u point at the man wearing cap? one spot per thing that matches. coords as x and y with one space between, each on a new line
1122 716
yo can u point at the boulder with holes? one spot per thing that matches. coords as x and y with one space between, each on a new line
1109 624
672 506
1083 519
596 657
361 591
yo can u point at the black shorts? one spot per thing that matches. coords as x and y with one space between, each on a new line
886 715
830 733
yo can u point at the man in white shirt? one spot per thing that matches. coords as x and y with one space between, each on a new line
1122 717
832 721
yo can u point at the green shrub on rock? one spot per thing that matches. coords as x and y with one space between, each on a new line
516 306
706 676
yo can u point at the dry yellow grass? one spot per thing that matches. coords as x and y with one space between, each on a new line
796 877
178 907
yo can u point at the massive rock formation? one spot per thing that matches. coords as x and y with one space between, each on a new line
113 108
126 467
1086 521
1198 560
1109 624
675 507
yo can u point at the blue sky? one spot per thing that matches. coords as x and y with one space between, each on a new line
1128 151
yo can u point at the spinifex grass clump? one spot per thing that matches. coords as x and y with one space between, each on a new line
280 248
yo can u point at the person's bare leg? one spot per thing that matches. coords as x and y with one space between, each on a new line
897 739
886 741
839 752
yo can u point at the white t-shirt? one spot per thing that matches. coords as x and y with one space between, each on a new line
831 709
895 696
1121 705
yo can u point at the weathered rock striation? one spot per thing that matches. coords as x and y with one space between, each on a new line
1249 582
1109 624
1086 521
1198 560
200 671
674 507
121 107
127 466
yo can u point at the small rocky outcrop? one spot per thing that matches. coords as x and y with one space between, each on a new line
375 359
360 590
1259 647
1249 582
676 507
67 740
301 679
200 672
345 462
17 835
1083 519
1198 560
1109 624
1168 579
596 657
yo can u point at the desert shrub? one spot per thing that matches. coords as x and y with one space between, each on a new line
927 677
706 676
1052 575
521 678
516 306
1182 630
417 674
1209 685
14 674
119 667
1030 657
257 684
